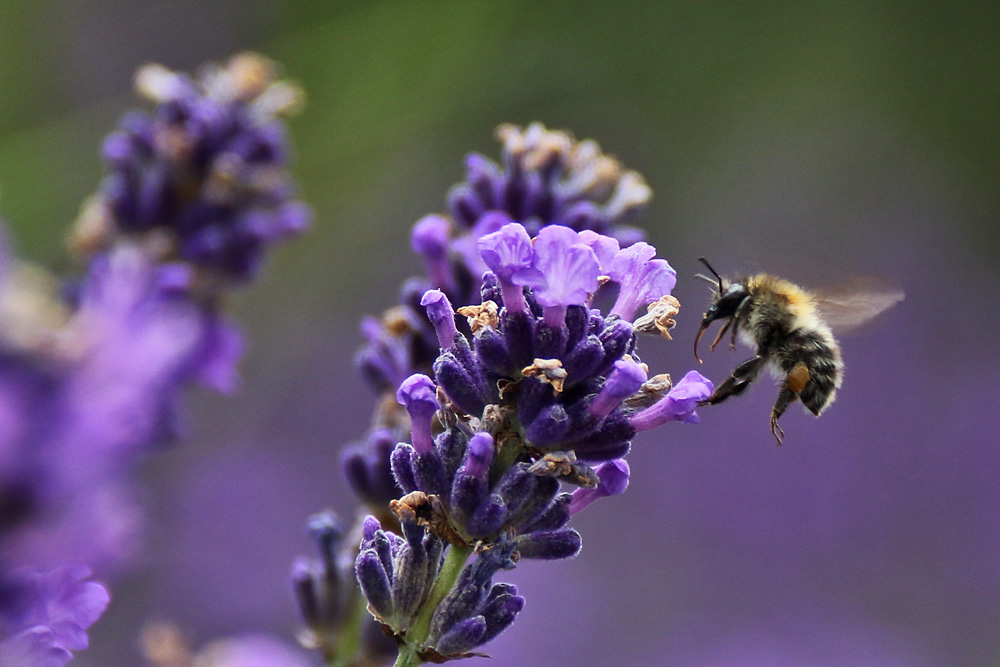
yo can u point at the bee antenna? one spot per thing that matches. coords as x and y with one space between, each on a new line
709 267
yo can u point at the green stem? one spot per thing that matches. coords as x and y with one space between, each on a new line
350 636
421 626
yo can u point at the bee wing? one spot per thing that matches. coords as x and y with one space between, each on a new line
848 305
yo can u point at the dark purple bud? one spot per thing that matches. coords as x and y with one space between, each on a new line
417 395
367 468
462 637
491 348
409 584
613 477
441 315
555 516
583 360
618 339
502 606
549 427
519 331
516 487
463 600
678 405
534 396
402 467
374 583
460 386
429 472
488 518
609 441
326 529
624 381
464 205
451 445
538 501
382 546
305 575
551 545
483 176
369 527
549 342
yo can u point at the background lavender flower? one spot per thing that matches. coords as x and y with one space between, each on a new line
204 179
44 616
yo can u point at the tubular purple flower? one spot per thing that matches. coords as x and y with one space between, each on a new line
417 395
614 480
442 316
568 269
625 380
642 279
467 247
509 254
678 405
604 247
430 239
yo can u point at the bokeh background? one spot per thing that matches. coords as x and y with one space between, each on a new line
811 139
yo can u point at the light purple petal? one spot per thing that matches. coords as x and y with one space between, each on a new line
678 405
570 268
613 477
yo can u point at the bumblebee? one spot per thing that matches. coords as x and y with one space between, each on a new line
790 329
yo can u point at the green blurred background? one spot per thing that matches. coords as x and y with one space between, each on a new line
818 139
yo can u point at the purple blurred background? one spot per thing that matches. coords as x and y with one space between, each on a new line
812 142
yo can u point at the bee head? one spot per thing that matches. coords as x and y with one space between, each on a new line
727 301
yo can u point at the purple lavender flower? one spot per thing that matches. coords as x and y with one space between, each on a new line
532 384
91 377
44 616
678 405
204 179
546 179
567 273
613 477
397 576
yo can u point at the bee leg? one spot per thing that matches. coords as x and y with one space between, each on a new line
794 383
722 332
737 316
738 381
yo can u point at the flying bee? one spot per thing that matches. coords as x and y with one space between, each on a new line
791 331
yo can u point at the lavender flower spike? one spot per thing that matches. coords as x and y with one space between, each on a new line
509 254
203 179
417 395
569 268
442 316
614 480
678 405
643 279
